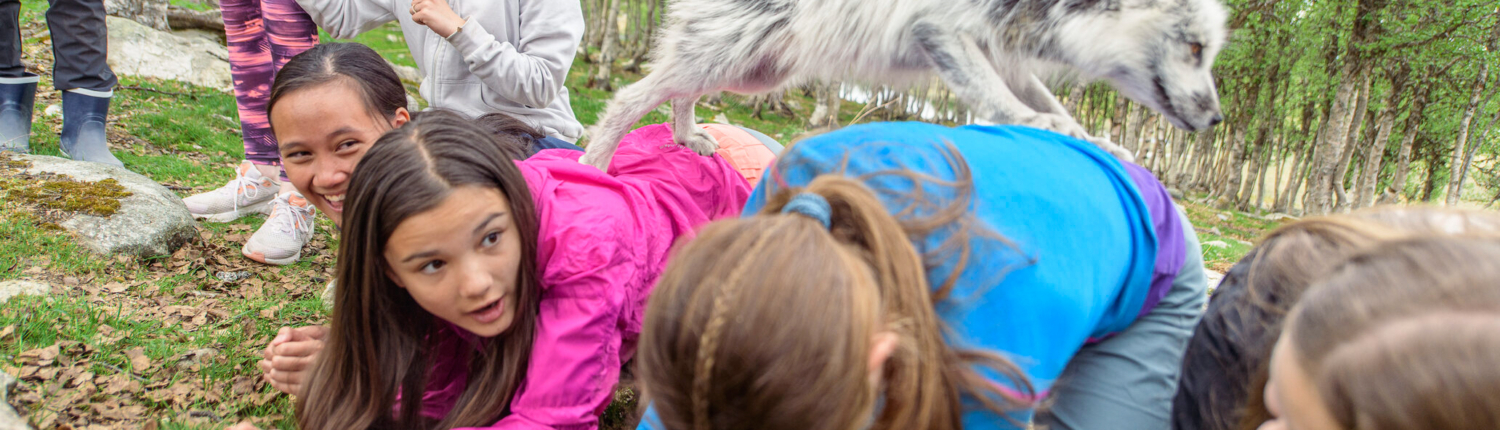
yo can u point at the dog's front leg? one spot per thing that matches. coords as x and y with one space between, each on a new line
1035 94
960 63
685 129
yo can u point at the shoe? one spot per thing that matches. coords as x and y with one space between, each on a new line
279 241
249 192
16 99
83 137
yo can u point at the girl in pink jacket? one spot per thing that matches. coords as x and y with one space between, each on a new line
507 293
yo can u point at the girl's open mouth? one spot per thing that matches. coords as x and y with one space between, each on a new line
490 313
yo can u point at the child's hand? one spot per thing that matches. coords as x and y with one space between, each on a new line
436 15
289 359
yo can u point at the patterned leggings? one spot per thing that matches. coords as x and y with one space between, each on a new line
263 35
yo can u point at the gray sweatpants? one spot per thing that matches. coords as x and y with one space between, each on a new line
1127 382
79 44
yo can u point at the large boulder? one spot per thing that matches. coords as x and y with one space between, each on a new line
9 419
151 221
138 50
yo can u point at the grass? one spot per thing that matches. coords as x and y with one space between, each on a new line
162 342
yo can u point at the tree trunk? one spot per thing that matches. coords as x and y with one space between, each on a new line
1403 157
601 79
1469 158
1374 155
1351 140
826 113
1459 148
180 18
1331 143
151 13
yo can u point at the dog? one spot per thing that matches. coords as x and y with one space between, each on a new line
989 52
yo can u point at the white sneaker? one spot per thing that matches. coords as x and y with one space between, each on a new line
279 241
248 193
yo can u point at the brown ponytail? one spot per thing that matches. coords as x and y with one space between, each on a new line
768 322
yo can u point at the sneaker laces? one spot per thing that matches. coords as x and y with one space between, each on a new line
243 184
287 217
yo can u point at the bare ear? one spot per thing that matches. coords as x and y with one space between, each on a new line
400 118
882 347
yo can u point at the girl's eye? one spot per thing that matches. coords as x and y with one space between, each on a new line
347 144
490 239
432 267
295 155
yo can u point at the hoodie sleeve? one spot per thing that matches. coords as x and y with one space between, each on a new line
344 19
532 71
586 265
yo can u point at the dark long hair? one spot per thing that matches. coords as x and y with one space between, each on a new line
381 342
354 64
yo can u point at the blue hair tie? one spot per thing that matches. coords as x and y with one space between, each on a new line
812 206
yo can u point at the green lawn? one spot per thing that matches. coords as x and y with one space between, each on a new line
164 343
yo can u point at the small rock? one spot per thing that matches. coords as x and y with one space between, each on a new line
407 73
232 276
721 119
1215 231
1279 216
1175 193
138 50
1215 244
1224 217
152 221
22 287
53 110
1213 277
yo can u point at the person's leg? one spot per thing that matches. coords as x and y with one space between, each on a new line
79 47
10 40
250 66
1127 382
17 88
287 31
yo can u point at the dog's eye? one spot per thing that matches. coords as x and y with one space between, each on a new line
1197 50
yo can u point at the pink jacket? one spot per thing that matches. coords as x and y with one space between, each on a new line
604 240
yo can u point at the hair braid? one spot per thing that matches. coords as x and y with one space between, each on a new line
709 341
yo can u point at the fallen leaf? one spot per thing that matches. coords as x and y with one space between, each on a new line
116 287
7 331
138 359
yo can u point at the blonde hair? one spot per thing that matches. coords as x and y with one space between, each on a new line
768 322
1406 336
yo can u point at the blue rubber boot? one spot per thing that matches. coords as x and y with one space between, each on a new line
16 98
83 136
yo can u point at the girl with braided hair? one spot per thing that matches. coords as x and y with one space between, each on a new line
915 276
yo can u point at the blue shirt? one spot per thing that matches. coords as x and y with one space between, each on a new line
1074 254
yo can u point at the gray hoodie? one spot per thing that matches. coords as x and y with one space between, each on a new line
512 56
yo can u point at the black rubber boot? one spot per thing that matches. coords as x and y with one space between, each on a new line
16 98
83 128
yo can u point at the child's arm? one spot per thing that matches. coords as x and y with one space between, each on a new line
532 71
344 19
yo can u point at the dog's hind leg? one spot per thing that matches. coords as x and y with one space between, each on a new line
685 129
1035 94
628 106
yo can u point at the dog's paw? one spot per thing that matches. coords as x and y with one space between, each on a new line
1113 149
1061 124
601 163
699 141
